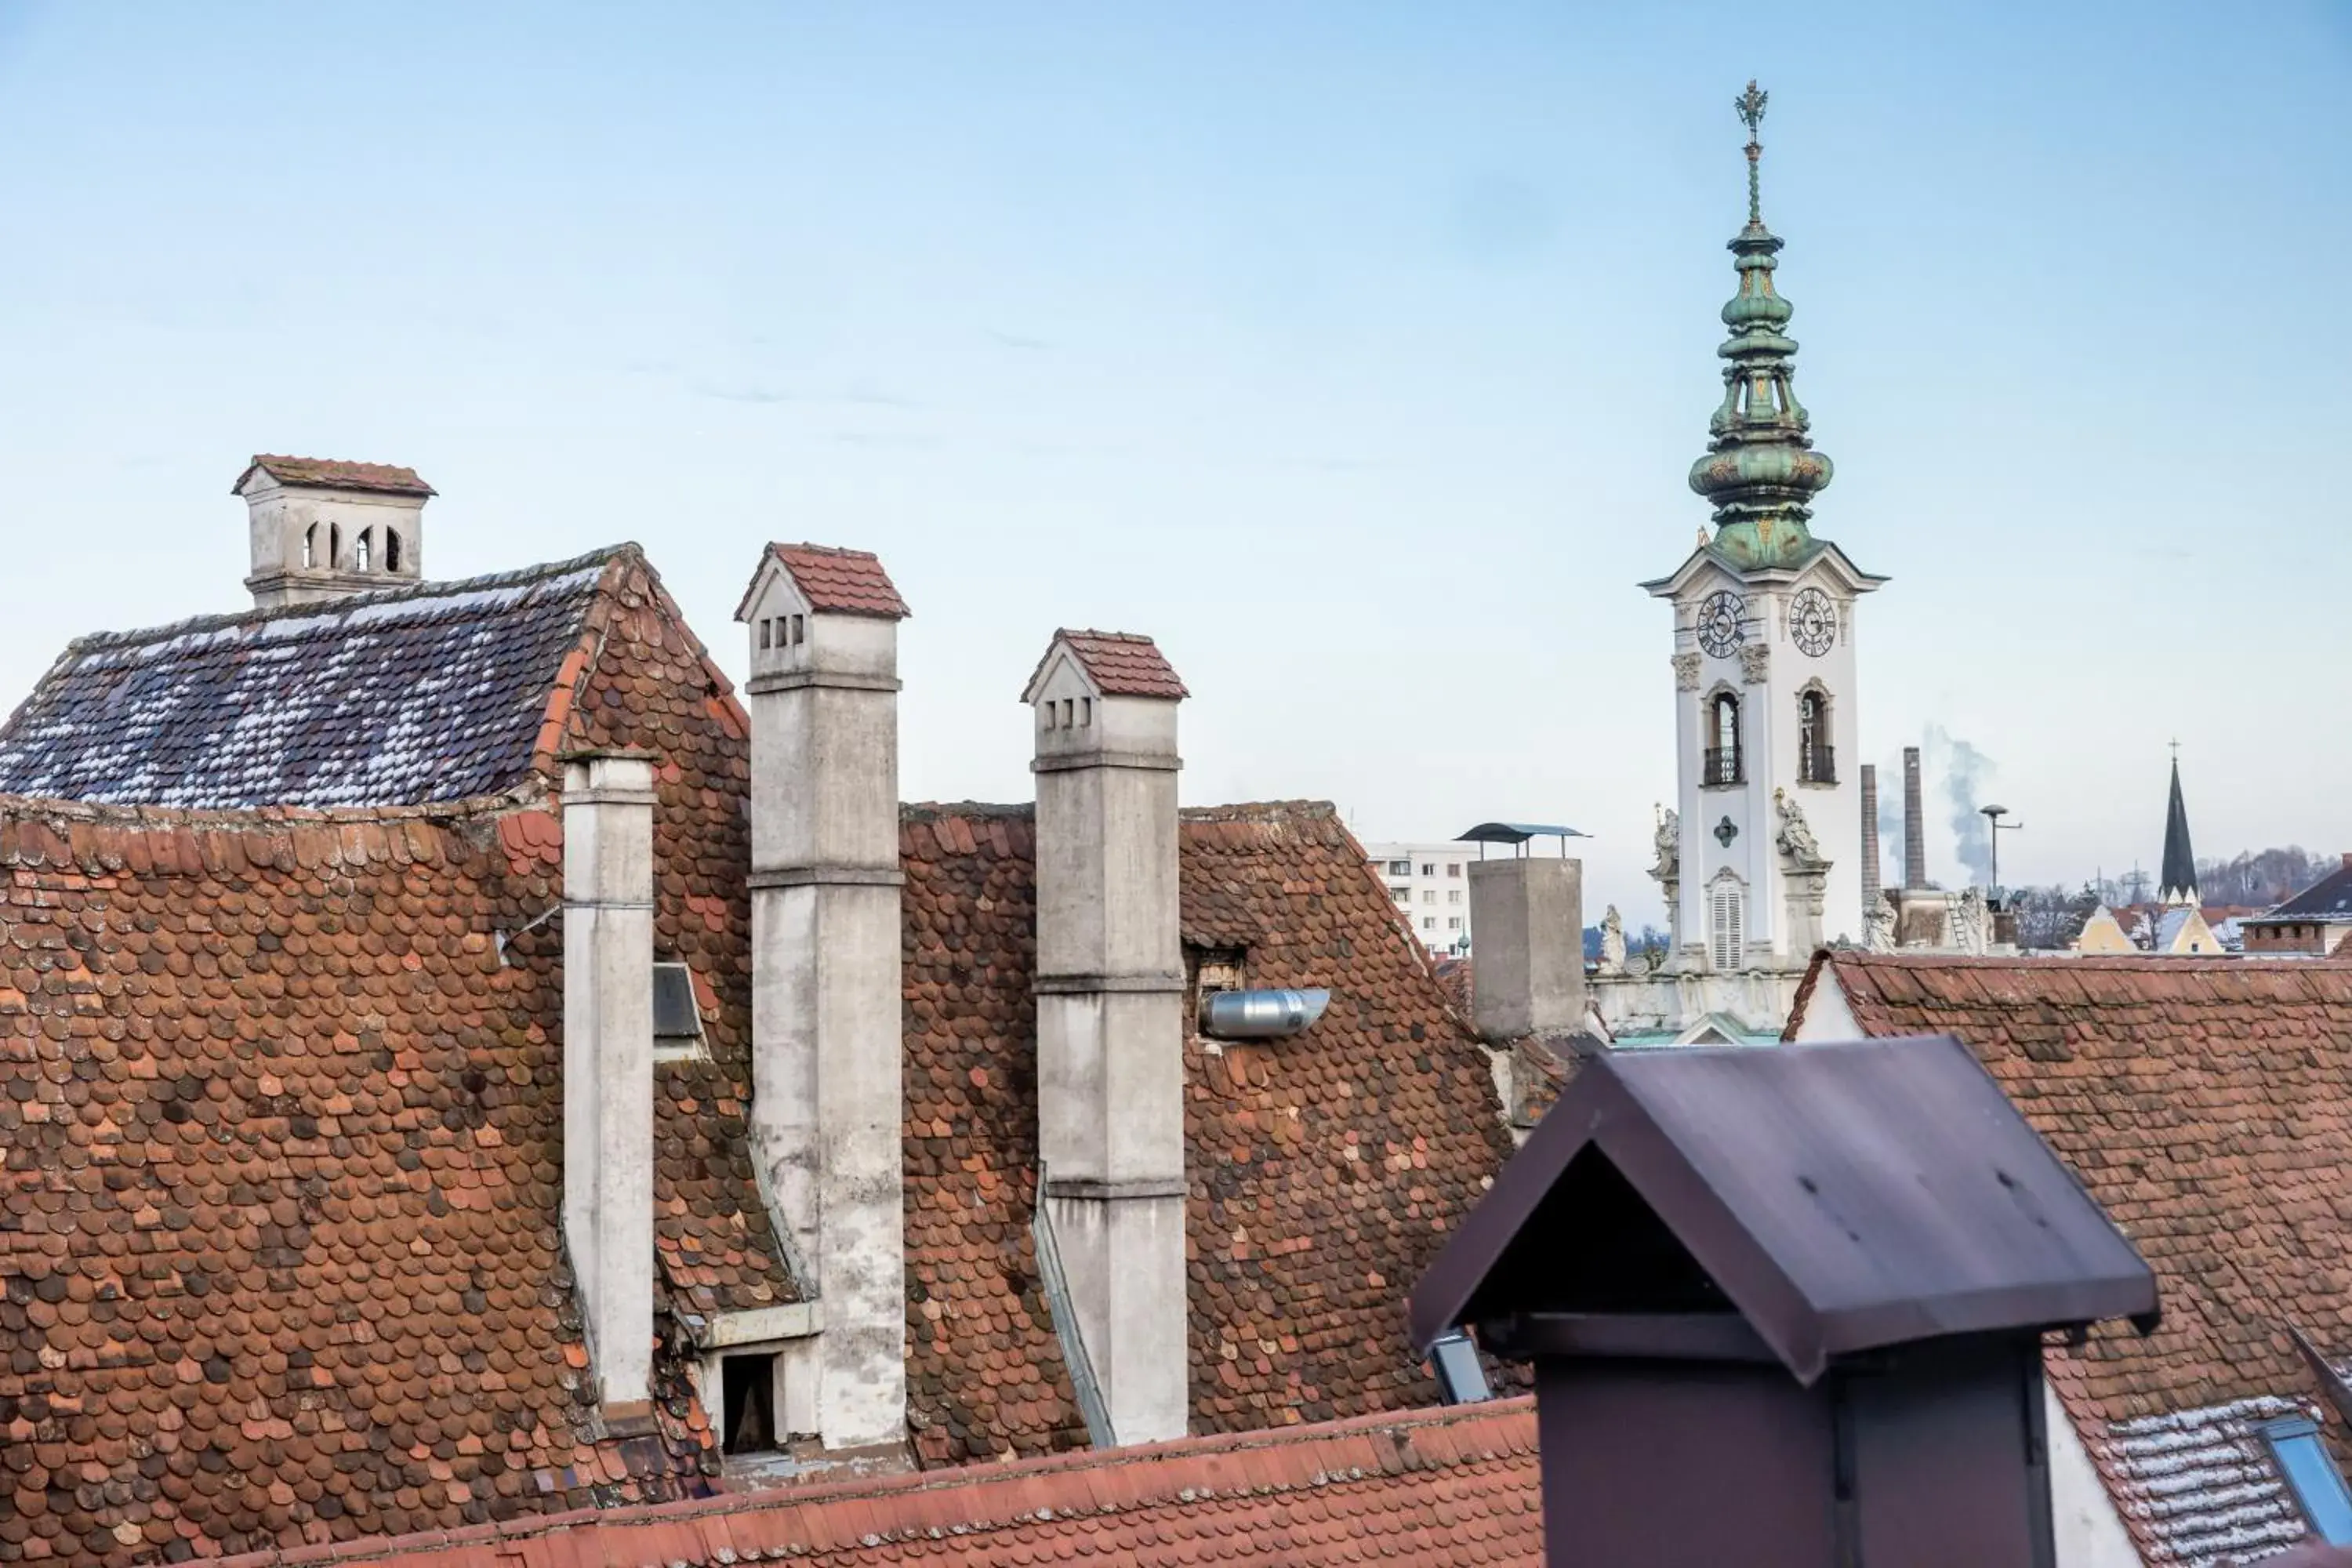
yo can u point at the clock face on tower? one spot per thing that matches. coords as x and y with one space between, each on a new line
1718 623
1812 623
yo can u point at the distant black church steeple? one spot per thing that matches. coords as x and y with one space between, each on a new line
2178 882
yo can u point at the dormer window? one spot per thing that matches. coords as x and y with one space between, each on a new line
361 553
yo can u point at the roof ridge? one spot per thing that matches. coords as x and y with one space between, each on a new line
514 577
1262 811
1104 636
1015 1480
1269 811
135 815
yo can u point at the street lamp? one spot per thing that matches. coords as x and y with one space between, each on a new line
1993 814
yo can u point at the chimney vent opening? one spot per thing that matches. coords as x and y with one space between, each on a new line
748 1403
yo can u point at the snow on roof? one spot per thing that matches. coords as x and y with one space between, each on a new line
2200 1483
405 697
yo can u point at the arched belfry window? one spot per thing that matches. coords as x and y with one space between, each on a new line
1726 923
310 546
335 546
1816 759
391 550
363 552
1723 761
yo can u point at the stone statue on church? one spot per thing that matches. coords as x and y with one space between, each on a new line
1879 928
1668 842
1796 838
1613 943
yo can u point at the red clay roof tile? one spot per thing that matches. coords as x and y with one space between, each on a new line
1325 1170
2207 1104
844 582
1123 664
1429 1487
333 473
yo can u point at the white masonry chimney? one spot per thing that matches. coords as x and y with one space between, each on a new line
322 529
1110 1025
608 1065
827 1111
1527 954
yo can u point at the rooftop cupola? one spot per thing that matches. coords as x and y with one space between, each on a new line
322 529
1760 469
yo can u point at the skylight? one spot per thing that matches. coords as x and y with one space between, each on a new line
2318 1487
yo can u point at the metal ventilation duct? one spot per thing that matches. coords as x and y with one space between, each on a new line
1260 1014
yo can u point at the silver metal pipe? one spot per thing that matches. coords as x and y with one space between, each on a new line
1260 1014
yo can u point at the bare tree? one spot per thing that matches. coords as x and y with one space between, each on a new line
2051 917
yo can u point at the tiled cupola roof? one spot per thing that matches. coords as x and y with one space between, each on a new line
1123 664
435 693
843 582
333 473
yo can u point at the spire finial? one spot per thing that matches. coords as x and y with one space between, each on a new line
1750 105
1760 469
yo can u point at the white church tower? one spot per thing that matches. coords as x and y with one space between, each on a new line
1760 859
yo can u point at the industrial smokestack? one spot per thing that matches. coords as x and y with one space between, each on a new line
1870 868
1915 822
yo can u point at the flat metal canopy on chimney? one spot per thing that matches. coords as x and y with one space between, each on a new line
1517 834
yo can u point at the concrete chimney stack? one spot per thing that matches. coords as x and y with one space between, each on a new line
1110 1026
1528 914
608 1065
1915 822
826 1109
1871 869
322 529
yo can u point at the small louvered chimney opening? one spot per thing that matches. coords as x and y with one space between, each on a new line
678 1016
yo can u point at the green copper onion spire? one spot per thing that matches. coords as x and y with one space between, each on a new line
1760 469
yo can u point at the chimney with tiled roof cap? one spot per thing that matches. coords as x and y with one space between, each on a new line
608 1065
322 529
825 931
1110 1021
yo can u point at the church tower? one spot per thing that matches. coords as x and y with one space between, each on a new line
1761 860
2179 884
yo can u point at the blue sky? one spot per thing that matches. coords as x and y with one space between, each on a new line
1358 352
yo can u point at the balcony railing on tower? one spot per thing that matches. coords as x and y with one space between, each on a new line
1723 767
1816 762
